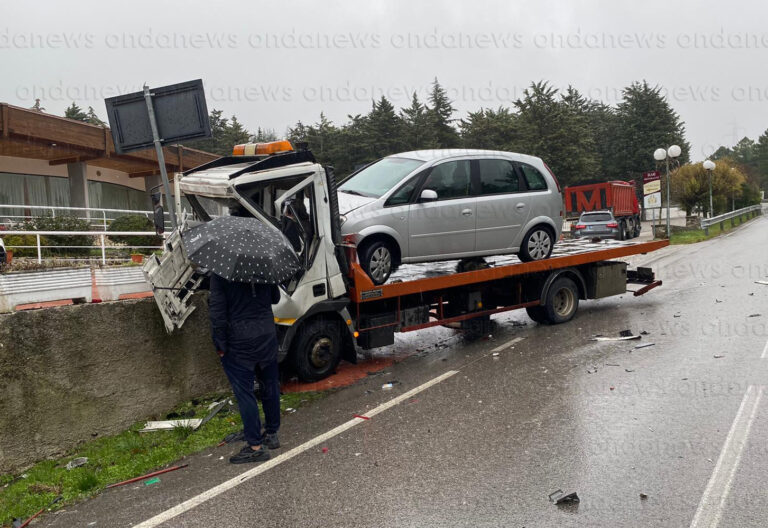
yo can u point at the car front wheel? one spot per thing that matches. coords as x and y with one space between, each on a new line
537 244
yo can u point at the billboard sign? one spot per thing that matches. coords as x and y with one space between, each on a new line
652 190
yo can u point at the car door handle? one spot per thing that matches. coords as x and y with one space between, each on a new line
520 206
467 212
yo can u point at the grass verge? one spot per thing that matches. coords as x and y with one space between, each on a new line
697 235
120 457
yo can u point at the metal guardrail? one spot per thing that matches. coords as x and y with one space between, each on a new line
97 216
101 234
751 211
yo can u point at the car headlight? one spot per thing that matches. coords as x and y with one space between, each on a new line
342 219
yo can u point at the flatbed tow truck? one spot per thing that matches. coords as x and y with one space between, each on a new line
332 305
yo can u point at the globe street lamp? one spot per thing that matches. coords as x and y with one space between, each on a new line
660 155
709 166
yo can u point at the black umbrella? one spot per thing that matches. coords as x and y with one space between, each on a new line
241 250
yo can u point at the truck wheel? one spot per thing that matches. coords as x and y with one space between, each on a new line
562 301
537 244
622 230
638 227
316 350
537 313
377 259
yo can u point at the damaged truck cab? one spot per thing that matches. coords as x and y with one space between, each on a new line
289 191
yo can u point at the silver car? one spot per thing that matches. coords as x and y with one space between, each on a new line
450 204
597 224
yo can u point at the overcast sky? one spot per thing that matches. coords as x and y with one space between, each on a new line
274 63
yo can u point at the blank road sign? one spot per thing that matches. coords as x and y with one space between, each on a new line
180 112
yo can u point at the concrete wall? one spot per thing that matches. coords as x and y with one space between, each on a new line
68 374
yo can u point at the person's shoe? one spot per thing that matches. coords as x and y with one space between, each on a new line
247 455
270 440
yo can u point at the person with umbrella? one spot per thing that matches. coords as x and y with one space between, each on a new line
247 259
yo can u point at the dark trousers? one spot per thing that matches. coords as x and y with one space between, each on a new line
242 378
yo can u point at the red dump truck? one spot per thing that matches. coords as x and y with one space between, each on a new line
619 197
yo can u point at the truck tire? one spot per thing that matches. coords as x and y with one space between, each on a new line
638 226
316 350
378 260
561 302
537 313
622 230
537 244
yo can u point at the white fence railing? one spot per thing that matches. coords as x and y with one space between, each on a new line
101 235
97 217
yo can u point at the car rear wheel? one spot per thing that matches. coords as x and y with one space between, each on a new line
377 259
537 244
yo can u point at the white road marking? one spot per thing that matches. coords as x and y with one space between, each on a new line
764 355
507 344
712 503
266 466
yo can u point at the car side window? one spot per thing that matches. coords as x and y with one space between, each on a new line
534 179
498 176
404 193
449 180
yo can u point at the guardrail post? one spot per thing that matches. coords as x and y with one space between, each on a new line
706 230
722 225
39 253
103 250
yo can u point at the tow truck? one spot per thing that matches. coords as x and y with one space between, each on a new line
332 306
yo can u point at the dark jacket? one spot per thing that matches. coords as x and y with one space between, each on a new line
242 321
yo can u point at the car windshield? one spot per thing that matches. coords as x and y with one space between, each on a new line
379 177
596 217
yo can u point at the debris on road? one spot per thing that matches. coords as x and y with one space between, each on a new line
625 333
764 283
643 333
676 315
643 496
290 410
152 481
718 356
629 370
592 370
360 416
754 315
612 365
644 345
621 338
168 425
76 462
325 450
386 386
147 476
558 497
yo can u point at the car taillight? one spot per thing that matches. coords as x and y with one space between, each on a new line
553 177
612 224
579 226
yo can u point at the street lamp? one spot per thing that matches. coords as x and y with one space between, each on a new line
660 155
709 165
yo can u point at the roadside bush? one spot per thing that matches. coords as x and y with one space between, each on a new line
60 223
21 240
134 223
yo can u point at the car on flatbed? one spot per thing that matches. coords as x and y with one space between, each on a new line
435 205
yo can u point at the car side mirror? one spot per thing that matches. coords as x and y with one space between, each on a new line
428 195
159 217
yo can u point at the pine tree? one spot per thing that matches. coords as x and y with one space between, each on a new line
646 122
92 118
75 112
490 129
440 111
384 129
36 107
416 129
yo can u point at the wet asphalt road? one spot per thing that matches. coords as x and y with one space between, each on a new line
487 445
